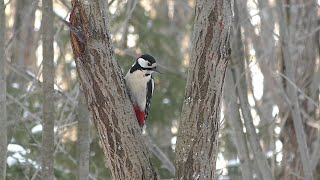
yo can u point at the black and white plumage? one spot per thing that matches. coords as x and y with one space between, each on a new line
140 85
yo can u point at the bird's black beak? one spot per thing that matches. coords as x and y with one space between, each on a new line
156 70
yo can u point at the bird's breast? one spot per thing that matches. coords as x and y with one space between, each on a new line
136 83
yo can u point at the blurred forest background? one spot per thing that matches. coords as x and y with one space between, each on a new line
271 98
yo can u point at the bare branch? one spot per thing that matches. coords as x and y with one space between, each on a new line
75 30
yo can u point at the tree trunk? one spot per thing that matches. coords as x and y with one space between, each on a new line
297 24
259 155
83 138
238 71
105 92
23 46
3 92
48 91
197 145
233 118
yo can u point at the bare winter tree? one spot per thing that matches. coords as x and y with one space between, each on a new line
3 92
105 92
22 45
83 139
238 136
197 145
48 91
298 66
239 78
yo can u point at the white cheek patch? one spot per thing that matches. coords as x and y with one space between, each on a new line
143 63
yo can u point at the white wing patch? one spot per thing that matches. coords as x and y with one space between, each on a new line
152 86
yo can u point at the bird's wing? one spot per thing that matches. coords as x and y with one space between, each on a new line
150 87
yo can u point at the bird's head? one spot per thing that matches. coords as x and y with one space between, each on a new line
147 63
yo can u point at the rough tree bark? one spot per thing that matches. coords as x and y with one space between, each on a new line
107 99
48 91
197 144
3 92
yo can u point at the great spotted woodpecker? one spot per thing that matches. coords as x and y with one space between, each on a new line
140 85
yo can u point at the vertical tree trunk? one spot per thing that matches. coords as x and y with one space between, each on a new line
268 65
238 60
3 92
83 138
23 48
296 26
259 155
107 99
233 118
197 145
48 91
24 32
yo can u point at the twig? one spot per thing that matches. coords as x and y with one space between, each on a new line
24 108
76 31
131 5
299 90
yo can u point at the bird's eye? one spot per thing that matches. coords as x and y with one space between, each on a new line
149 64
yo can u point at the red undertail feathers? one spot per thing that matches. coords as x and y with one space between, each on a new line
140 115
